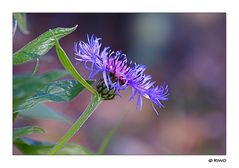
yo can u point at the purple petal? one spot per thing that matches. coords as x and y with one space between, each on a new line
133 94
140 102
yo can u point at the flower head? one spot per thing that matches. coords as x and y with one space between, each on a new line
118 73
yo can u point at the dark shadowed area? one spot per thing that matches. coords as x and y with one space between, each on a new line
187 51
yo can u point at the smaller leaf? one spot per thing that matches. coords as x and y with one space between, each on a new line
22 22
19 132
58 91
32 147
41 111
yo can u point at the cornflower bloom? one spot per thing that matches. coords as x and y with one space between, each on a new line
118 73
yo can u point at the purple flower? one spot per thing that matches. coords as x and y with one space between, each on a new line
126 73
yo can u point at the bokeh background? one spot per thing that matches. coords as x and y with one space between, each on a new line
186 50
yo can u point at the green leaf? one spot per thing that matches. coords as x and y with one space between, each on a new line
40 46
25 86
58 91
53 75
22 22
32 147
65 61
19 132
41 111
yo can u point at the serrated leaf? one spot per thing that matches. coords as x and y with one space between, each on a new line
32 147
58 91
22 22
41 111
40 46
19 132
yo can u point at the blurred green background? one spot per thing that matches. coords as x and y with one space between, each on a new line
186 50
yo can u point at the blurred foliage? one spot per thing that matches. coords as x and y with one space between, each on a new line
107 139
32 147
25 86
19 132
41 111
58 91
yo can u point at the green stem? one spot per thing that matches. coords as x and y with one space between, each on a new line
95 101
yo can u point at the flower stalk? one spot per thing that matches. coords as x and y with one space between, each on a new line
95 101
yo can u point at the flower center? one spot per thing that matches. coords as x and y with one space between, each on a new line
114 79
